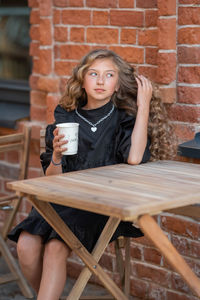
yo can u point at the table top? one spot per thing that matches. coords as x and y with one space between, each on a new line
122 190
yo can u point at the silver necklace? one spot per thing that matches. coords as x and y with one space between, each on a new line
94 126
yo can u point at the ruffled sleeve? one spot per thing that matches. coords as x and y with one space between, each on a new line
61 116
123 140
45 157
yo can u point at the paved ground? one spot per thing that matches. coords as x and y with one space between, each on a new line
11 291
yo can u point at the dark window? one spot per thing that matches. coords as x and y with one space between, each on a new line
15 62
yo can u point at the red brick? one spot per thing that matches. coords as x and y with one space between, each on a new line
56 51
34 49
190 95
38 98
126 3
154 274
146 3
45 61
100 17
179 296
64 68
35 33
63 83
33 3
139 288
168 95
77 34
181 226
128 36
166 72
148 37
102 3
189 35
151 55
167 33
188 55
45 7
151 18
189 74
136 251
156 292
35 130
34 17
167 7
45 32
149 72
126 18
13 157
73 51
186 247
184 132
61 34
106 261
56 16
189 15
102 35
33 81
36 65
48 84
76 3
152 255
189 1
61 3
38 113
130 54
79 17
52 102
34 159
33 172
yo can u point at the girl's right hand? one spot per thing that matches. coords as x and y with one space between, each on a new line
57 143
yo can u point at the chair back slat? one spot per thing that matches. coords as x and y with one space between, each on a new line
11 138
9 147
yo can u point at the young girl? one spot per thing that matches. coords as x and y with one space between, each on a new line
118 124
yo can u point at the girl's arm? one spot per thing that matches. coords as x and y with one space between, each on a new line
140 131
56 155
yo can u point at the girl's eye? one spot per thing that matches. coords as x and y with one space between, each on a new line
93 74
109 75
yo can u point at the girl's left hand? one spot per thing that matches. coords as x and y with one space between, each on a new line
144 91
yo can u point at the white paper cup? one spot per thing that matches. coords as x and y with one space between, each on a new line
70 130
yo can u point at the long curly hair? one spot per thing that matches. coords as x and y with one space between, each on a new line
163 140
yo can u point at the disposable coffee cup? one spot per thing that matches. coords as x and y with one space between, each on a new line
70 130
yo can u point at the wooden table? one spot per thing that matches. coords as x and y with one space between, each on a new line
122 192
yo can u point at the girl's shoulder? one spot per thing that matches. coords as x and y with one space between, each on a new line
61 115
124 117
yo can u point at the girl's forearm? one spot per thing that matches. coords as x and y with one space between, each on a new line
139 137
55 167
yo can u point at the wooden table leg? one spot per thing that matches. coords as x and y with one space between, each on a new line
157 236
50 215
97 252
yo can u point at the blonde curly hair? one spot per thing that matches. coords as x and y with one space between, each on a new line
163 140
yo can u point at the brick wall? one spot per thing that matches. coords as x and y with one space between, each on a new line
161 39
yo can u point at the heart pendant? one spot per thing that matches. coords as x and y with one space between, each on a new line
93 129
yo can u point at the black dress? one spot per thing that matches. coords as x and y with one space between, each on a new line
109 145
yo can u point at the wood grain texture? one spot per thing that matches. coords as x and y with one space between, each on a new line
121 191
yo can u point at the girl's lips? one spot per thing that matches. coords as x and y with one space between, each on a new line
99 90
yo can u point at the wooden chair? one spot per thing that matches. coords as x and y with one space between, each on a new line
122 243
11 203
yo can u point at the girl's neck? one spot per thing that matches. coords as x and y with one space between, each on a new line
93 105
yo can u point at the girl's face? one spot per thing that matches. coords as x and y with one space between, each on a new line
100 82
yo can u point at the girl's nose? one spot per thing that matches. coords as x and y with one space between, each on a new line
100 79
